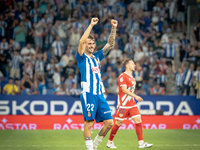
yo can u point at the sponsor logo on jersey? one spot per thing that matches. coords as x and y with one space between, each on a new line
96 69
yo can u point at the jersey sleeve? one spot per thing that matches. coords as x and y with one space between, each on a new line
122 81
99 54
79 58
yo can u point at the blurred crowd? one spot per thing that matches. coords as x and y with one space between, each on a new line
39 40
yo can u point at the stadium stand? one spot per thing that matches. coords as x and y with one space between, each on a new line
39 39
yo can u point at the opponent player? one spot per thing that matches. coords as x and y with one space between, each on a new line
93 102
127 107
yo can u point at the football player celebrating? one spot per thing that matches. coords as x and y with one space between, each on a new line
127 107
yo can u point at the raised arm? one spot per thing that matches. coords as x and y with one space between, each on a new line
111 39
173 67
84 37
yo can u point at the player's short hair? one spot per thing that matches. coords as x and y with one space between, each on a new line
125 62
91 37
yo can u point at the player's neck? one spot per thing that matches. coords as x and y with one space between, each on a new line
89 54
129 72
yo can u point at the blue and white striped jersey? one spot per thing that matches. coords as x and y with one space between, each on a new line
170 49
187 77
3 47
179 79
16 62
197 75
91 81
137 40
57 45
2 31
161 78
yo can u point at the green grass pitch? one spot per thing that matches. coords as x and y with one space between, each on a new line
73 140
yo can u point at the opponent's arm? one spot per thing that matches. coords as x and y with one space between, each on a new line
126 91
83 39
111 39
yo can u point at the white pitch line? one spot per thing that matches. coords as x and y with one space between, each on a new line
84 145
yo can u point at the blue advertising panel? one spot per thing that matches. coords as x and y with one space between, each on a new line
69 105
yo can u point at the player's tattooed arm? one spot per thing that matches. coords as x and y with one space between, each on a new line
111 39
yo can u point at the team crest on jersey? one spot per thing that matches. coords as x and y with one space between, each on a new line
89 114
121 115
95 69
96 60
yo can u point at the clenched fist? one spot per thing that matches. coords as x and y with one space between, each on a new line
94 21
114 23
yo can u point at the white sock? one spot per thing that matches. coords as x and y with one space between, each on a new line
89 144
140 142
98 139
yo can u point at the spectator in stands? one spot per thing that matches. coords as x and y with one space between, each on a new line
191 57
69 69
51 69
56 80
178 79
129 48
172 12
170 49
62 29
42 88
15 65
195 32
100 42
26 52
137 40
161 79
165 37
57 48
181 15
61 91
115 53
69 83
28 68
17 83
40 63
157 90
139 56
74 38
49 36
197 79
113 83
10 88
3 63
39 34
20 34
67 56
147 20
3 46
138 78
75 91
136 5
162 65
158 49
26 83
14 45
188 74
135 25
185 44
106 76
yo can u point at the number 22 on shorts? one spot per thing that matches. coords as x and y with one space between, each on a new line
90 107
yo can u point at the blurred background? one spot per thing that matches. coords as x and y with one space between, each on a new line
39 40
